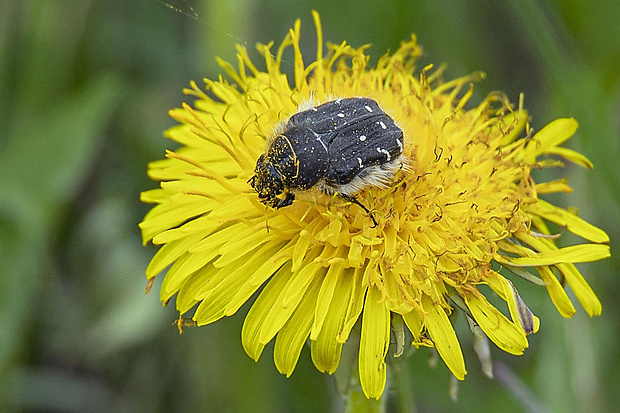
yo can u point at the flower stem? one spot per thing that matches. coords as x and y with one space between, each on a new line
357 402
402 385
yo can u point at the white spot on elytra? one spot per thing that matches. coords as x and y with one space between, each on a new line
338 100
385 152
315 110
400 144
359 160
341 115
382 125
363 138
368 108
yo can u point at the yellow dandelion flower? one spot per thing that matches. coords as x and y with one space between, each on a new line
464 206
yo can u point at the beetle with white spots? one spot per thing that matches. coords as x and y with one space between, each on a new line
340 147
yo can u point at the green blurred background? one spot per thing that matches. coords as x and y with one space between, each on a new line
85 87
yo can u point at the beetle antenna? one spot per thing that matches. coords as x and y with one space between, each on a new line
356 202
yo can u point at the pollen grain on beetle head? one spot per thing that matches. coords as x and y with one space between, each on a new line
461 205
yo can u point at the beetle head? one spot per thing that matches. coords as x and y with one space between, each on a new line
267 182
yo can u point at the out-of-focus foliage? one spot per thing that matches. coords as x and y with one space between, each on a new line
84 91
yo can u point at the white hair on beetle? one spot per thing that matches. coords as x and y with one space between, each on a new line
379 176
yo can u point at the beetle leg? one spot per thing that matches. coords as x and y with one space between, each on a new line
356 202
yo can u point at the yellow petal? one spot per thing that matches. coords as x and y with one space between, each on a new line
183 268
519 311
211 192
572 156
245 240
374 344
202 224
589 301
178 209
175 279
536 324
301 246
354 309
442 333
169 252
552 187
413 320
188 293
325 297
580 287
258 275
573 253
572 222
556 292
250 333
288 300
514 124
504 333
154 196
292 337
554 134
355 253
326 349
311 271
221 295
216 239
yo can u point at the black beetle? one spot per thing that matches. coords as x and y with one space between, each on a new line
341 147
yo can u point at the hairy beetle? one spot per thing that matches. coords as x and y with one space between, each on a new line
341 147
